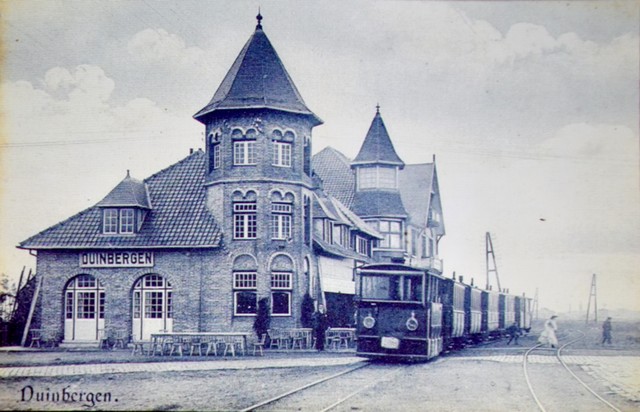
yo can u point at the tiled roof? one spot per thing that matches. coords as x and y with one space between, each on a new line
257 79
334 169
377 147
375 203
179 217
129 192
335 250
415 183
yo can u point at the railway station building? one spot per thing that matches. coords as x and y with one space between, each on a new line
254 215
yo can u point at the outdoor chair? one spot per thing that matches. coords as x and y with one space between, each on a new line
259 345
177 344
36 337
103 339
139 345
212 346
121 339
298 339
277 339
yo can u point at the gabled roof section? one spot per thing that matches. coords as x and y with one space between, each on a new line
377 147
415 183
129 192
334 169
179 217
257 79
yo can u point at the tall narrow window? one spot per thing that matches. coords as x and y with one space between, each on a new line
281 154
307 220
281 294
245 294
216 155
245 225
126 221
110 221
281 220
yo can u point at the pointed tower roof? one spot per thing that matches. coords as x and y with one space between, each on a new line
129 192
257 80
377 147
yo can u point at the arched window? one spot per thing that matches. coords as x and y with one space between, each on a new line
281 285
282 145
281 216
84 308
245 216
215 159
244 147
245 286
152 308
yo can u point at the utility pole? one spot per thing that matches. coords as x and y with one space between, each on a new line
535 304
494 267
592 294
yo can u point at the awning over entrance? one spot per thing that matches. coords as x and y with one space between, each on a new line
337 275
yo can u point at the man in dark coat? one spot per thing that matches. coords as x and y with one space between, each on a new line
320 325
606 331
514 332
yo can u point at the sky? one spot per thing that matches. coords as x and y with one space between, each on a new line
531 109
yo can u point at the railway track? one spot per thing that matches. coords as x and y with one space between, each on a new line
574 377
337 385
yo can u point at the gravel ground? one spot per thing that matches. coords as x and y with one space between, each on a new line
488 378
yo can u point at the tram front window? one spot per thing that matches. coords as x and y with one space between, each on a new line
399 288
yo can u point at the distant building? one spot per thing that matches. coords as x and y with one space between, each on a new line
196 245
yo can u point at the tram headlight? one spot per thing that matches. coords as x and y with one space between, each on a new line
369 321
412 322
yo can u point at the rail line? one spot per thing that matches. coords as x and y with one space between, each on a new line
301 388
562 362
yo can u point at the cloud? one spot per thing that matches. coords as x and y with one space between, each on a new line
75 104
159 46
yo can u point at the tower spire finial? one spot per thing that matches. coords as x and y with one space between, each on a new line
259 18
377 108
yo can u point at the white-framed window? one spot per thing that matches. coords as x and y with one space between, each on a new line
281 154
244 153
245 223
217 161
245 294
377 177
127 221
281 214
281 293
362 246
110 221
392 232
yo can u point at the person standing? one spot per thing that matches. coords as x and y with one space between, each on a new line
320 324
548 335
606 331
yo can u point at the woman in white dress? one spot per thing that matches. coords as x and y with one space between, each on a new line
548 335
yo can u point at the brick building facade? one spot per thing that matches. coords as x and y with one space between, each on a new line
196 246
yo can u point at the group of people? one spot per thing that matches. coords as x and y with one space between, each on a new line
548 334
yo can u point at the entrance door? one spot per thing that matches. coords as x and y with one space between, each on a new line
152 306
84 309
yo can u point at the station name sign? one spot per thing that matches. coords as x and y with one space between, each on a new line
116 259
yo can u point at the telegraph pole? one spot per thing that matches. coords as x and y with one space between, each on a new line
494 267
535 304
592 294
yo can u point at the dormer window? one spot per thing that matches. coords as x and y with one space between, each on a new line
127 221
119 221
110 221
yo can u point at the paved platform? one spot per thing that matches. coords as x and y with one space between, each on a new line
201 365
